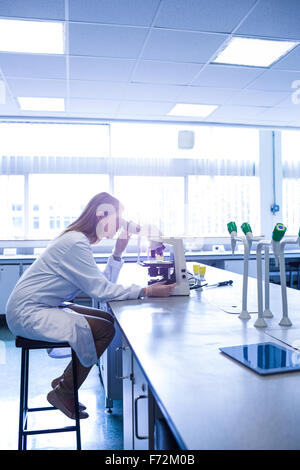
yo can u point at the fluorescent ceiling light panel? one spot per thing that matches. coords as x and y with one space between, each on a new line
254 52
41 104
193 110
34 37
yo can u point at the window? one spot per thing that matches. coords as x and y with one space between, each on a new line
12 206
290 141
192 192
54 169
54 140
36 223
216 200
154 200
59 199
48 172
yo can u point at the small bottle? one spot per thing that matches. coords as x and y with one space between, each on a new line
202 271
196 271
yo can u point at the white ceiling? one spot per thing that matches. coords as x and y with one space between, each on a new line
134 59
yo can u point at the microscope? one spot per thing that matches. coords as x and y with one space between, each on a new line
172 270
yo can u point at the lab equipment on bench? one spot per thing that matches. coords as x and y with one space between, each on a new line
172 270
277 235
218 284
199 271
285 321
247 241
130 226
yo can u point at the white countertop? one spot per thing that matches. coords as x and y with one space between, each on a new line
210 400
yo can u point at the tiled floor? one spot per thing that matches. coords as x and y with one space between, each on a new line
100 431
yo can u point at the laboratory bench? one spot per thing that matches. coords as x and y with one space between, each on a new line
13 266
174 374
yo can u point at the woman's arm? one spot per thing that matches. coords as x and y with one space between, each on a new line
115 263
79 267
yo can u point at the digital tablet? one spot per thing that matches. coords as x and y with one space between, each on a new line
265 358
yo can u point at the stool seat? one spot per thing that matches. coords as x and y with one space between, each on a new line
37 344
26 345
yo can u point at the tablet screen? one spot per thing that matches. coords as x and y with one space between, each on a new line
265 358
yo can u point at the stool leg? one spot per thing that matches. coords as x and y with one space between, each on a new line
22 399
75 385
26 381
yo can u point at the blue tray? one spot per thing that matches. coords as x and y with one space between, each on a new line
265 358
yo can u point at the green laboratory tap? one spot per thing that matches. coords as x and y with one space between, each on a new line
278 232
232 229
277 235
246 228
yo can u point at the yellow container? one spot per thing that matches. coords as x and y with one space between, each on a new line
202 270
196 268
199 269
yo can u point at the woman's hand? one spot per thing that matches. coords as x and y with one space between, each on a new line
121 243
159 289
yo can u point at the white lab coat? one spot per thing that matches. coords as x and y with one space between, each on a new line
64 269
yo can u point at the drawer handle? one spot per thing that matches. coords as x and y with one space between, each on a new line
122 377
140 397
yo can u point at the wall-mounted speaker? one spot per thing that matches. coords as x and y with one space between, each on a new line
186 139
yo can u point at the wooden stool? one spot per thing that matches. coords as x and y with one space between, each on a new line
27 345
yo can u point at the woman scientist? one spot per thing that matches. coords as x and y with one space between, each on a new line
34 309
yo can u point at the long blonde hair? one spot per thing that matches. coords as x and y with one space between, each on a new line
88 220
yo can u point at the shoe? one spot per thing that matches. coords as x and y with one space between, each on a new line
55 382
57 400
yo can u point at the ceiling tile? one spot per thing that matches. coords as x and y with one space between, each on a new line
105 79
275 80
93 68
292 99
92 106
283 114
97 90
206 95
274 19
182 46
38 87
43 9
7 102
85 115
256 98
145 107
203 15
165 72
239 112
105 41
223 76
273 123
130 12
152 92
290 62
33 65
3 92
23 112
